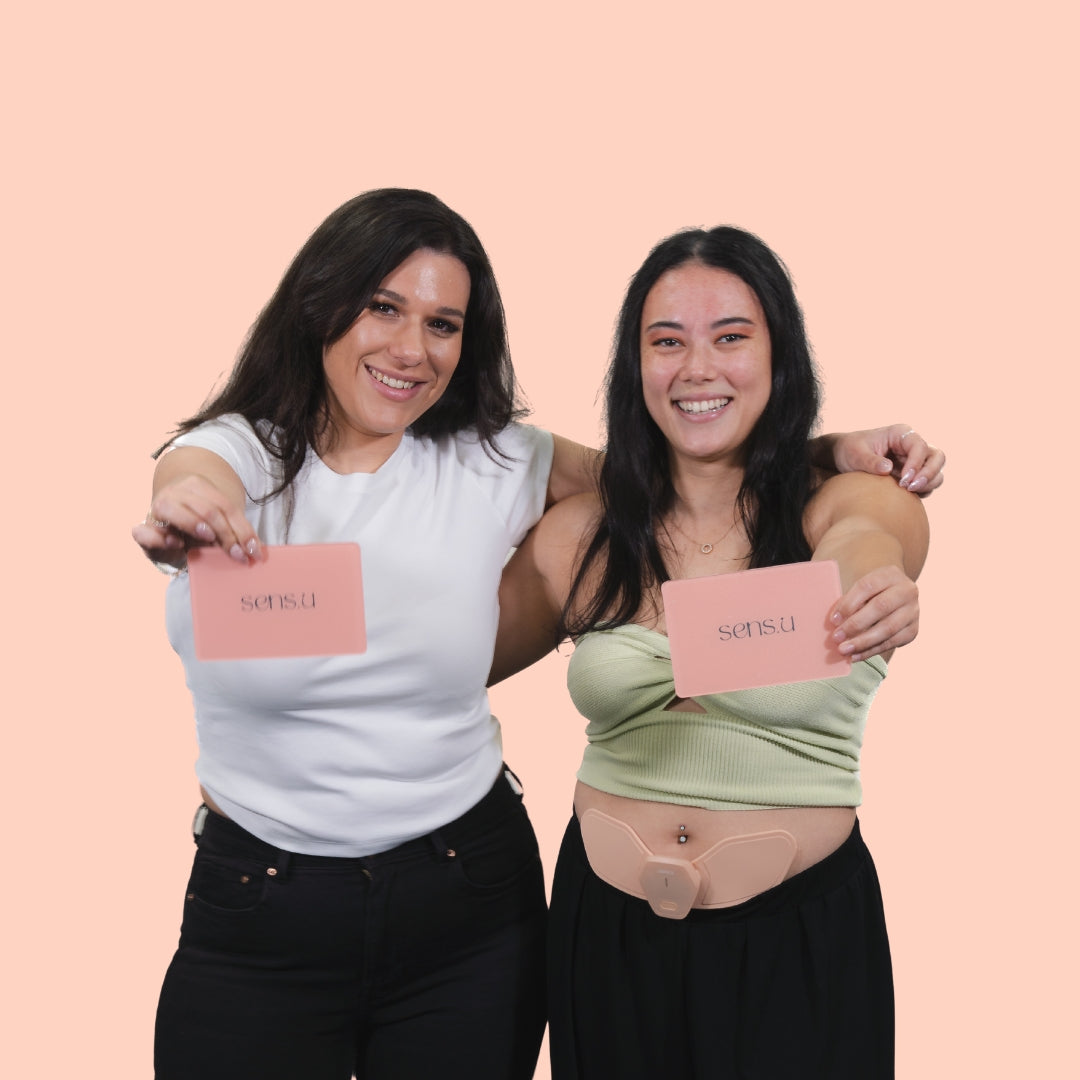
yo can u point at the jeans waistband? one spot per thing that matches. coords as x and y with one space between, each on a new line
223 836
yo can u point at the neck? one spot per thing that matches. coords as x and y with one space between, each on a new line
349 452
705 492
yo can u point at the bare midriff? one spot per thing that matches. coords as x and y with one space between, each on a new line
210 802
818 830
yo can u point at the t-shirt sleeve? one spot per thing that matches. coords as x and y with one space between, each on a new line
517 483
233 439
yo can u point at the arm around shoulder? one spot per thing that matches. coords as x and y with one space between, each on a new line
898 450
574 470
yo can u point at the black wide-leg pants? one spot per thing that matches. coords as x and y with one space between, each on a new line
794 984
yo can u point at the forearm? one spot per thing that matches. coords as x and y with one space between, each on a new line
198 498
860 550
878 534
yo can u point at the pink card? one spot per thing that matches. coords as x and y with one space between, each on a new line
298 600
754 628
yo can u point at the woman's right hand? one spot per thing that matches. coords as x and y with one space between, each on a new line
198 501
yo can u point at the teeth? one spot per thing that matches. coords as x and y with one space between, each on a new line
397 384
703 406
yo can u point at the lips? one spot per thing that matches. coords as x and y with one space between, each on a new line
695 408
389 380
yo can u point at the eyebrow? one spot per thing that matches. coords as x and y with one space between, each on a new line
666 325
398 298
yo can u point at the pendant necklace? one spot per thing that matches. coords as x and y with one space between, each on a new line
705 549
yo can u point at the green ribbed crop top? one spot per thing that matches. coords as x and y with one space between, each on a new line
774 746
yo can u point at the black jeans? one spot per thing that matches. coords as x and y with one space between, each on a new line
423 961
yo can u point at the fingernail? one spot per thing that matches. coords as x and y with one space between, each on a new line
847 647
173 541
906 478
836 616
884 465
204 532
855 656
918 484
237 552
839 635
252 547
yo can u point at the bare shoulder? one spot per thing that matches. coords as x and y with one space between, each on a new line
855 485
855 493
859 501
571 518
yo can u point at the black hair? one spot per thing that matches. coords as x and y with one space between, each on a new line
279 377
636 489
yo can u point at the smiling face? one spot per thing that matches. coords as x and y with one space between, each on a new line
396 359
706 367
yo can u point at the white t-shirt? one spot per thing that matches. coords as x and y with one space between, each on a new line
351 755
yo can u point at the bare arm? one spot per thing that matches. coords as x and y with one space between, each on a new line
897 450
197 500
535 585
574 470
879 536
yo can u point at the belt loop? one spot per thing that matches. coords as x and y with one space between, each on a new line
198 824
513 780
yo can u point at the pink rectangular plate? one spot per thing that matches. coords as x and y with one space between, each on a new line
298 600
754 628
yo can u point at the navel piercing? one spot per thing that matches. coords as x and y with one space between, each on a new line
683 837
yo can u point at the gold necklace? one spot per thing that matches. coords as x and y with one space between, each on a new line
706 549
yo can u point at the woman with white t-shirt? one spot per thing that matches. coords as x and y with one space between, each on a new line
367 894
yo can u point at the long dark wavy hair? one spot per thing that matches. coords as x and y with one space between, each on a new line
278 376
636 488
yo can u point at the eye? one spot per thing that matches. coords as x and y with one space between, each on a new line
727 339
666 343
382 307
445 327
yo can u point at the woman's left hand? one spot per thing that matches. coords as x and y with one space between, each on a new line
879 613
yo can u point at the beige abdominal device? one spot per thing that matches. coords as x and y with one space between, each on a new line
731 871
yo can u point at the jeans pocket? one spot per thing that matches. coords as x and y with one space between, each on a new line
500 857
228 884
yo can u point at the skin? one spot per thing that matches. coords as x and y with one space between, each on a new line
704 341
395 361
705 347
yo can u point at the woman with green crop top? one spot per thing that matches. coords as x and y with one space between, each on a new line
715 911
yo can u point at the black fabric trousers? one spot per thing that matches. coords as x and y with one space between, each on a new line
794 984
423 961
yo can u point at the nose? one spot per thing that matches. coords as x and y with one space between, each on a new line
698 363
407 345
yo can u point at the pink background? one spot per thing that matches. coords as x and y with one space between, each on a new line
914 164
